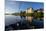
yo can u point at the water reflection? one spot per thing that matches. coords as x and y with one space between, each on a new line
29 18
23 17
22 22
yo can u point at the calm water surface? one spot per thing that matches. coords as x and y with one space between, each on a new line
11 19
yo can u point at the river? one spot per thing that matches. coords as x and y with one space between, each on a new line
12 19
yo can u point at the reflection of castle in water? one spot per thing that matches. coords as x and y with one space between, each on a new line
28 10
29 18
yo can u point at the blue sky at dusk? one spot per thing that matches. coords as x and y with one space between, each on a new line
17 6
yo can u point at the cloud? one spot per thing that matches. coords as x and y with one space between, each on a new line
10 10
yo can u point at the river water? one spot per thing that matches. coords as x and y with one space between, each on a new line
11 19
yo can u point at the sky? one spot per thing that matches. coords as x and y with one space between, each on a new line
12 6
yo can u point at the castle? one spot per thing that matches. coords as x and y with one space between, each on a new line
29 10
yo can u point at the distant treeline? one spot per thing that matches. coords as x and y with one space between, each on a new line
7 14
36 14
16 14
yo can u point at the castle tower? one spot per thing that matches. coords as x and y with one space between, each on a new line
29 10
29 18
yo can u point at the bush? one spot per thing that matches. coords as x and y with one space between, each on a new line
29 14
38 15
